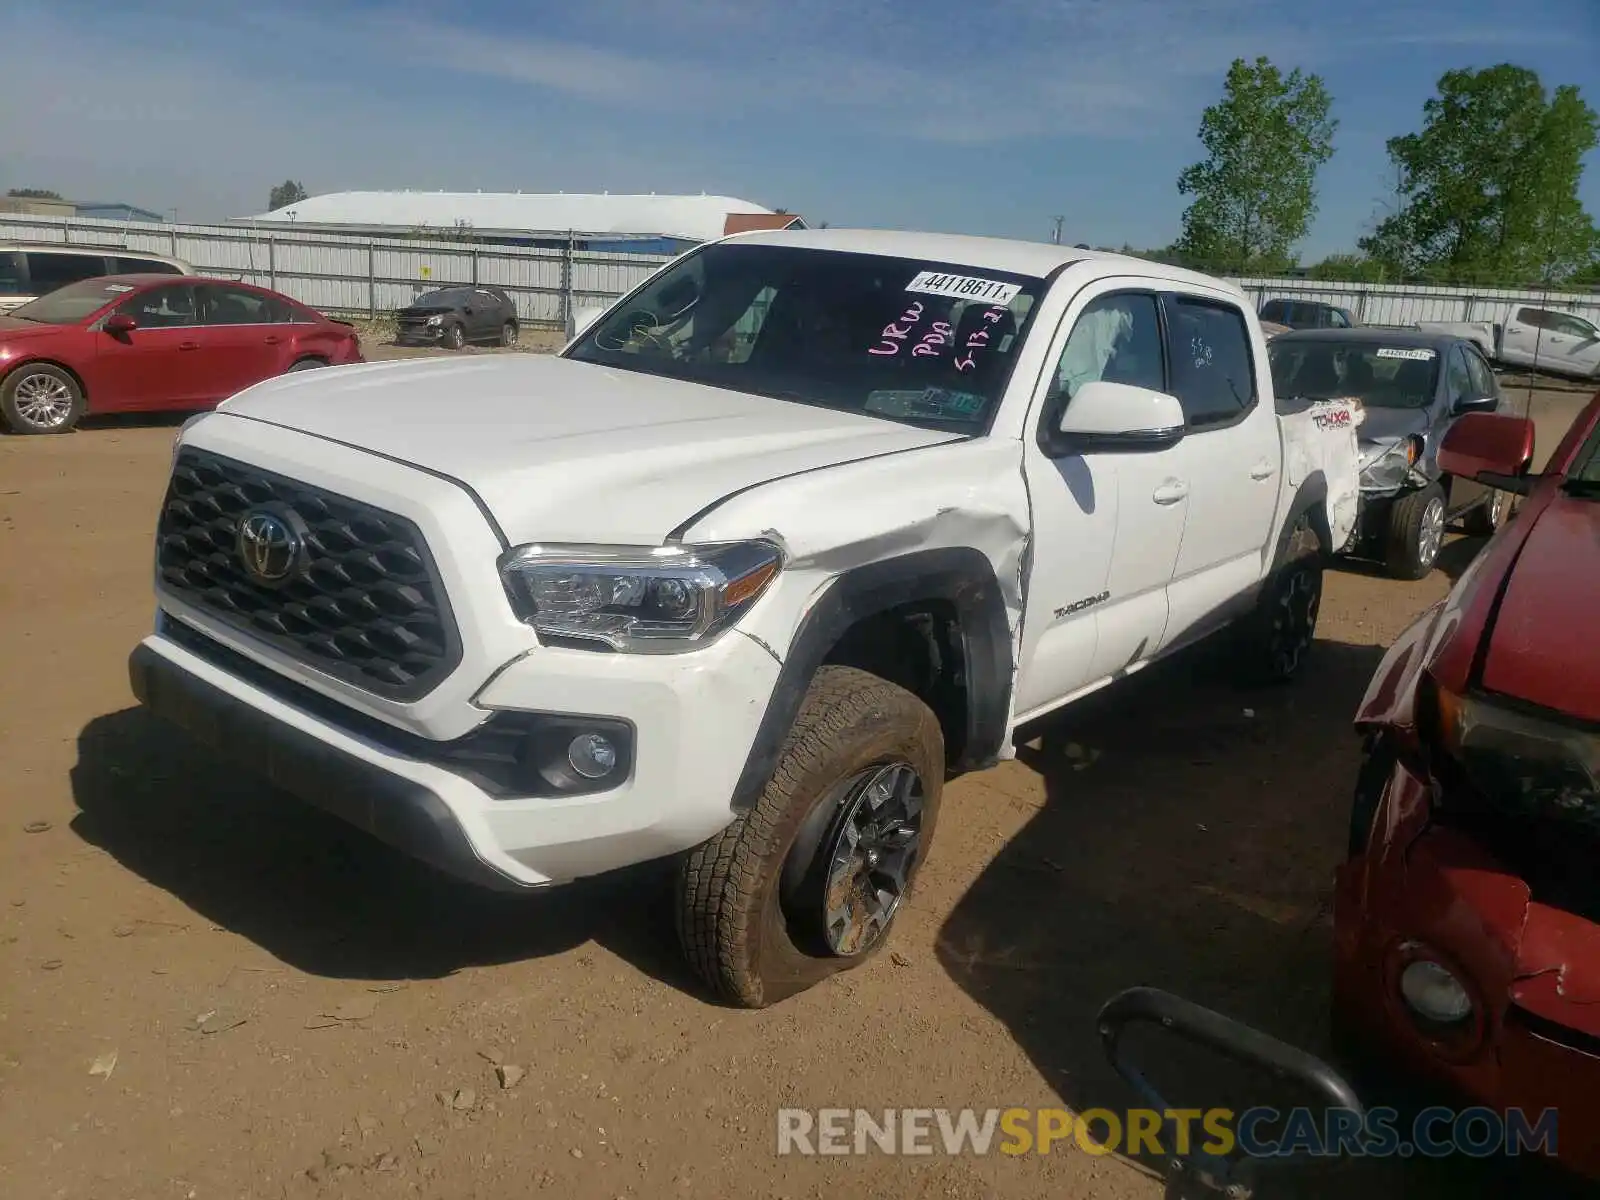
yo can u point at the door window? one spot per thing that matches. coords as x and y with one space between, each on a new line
1483 381
1458 382
1535 317
1117 338
1213 372
10 273
223 305
1571 326
48 271
1337 318
142 266
169 307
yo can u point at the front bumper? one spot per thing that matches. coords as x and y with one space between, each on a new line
695 718
1425 884
418 335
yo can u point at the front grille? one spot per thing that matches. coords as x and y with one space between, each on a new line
365 607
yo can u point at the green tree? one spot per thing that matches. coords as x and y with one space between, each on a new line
34 194
290 191
1347 268
1489 186
1255 191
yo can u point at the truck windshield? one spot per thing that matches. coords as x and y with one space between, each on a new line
1379 376
924 343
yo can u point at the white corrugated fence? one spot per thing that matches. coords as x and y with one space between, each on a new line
368 276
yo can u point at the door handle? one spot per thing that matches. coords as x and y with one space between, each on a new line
188 345
1170 492
273 339
1263 470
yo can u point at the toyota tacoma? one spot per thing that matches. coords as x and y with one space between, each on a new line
806 524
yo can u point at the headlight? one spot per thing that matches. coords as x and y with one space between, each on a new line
1432 991
660 599
439 320
1384 469
1522 764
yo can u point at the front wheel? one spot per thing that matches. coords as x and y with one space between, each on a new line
808 882
455 337
1416 531
40 398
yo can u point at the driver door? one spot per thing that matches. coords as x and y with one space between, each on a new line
1107 526
155 366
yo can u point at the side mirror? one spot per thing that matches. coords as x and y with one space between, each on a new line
120 324
1491 449
1477 404
1117 418
582 318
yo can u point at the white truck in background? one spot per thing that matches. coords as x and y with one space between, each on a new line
1541 339
803 524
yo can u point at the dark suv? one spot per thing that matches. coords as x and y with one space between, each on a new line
453 316
1306 314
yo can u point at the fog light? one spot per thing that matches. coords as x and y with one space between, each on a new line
1432 992
592 756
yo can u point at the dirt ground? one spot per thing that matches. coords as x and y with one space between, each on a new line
212 991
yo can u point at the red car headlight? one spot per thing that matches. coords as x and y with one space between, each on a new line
1524 762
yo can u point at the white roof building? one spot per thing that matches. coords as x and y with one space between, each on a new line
520 215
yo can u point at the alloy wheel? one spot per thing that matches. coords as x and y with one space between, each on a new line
870 855
44 401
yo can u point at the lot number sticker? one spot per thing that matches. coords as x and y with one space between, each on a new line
964 287
1413 355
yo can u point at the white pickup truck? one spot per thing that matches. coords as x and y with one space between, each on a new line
1544 339
808 522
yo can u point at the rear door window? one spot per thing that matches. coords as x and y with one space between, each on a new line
1213 372
224 305
48 271
142 266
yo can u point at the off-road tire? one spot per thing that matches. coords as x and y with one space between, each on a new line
12 417
1485 519
1402 556
455 337
732 919
1274 641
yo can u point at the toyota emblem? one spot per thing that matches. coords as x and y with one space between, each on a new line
271 544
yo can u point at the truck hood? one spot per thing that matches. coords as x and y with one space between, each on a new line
1542 648
567 451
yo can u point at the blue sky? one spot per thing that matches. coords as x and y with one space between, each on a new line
984 118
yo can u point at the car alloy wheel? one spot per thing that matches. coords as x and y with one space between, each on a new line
1430 532
870 850
44 401
1294 618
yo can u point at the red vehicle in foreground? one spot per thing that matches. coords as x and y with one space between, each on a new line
137 343
1467 916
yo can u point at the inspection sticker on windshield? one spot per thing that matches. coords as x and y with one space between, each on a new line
964 287
1413 355
119 287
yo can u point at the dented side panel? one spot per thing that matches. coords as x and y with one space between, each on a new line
1323 438
967 494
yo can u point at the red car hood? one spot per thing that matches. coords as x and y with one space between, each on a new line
1543 649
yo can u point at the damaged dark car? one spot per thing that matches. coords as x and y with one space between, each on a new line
454 317
1411 387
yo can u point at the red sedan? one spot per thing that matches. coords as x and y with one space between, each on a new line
1467 916
137 343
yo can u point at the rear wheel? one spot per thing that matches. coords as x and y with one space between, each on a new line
1416 531
508 334
40 398
308 364
1487 517
1276 638
808 882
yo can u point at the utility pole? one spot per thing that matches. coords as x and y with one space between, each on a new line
1056 236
